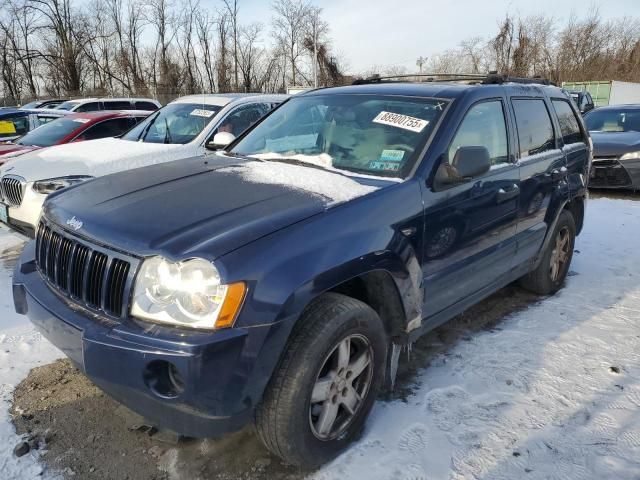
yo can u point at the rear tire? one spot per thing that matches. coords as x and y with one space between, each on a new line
333 368
550 274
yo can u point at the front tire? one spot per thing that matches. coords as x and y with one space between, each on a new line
321 395
550 274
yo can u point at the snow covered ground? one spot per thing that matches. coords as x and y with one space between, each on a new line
552 392
21 349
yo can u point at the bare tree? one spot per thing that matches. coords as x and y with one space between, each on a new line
289 26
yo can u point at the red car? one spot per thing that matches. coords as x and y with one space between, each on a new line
73 128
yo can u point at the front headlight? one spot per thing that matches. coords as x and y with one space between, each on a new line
631 156
188 293
51 185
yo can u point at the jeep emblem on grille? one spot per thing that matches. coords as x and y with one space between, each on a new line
74 223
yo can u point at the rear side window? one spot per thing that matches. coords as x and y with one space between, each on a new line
88 107
108 128
152 107
535 131
42 119
569 126
116 105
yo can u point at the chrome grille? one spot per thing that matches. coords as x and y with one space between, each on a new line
93 277
12 189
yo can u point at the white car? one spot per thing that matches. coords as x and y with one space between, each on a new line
184 128
96 104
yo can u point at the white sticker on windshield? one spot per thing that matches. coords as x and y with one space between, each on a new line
81 120
401 121
199 112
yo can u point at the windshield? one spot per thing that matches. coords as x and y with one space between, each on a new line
52 132
622 120
67 105
372 134
177 123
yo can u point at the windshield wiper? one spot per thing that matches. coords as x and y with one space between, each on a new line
143 134
167 132
294 161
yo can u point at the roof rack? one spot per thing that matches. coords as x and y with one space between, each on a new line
491 78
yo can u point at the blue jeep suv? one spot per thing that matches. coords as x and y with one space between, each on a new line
273 282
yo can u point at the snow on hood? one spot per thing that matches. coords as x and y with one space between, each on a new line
94 158
332 186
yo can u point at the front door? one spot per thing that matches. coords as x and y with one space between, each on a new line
470 224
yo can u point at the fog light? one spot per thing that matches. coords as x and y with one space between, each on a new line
163 379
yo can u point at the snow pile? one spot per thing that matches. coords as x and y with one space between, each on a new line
552 393
332 186
21 349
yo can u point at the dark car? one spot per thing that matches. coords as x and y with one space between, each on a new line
51 103
615 132
276 282
583 100
73 128
16 122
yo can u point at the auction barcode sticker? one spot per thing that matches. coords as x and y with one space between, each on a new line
401 121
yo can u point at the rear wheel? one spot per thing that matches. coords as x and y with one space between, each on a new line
550 274
320 397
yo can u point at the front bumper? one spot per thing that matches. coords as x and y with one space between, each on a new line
612 173
215 368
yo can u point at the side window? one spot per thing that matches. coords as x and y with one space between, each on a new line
535 130
88 107
242 118
41 120
146 106
480 142
116 105
108 128
569 126
483 126
14 126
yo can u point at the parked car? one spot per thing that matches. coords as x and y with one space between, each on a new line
97 104
74 127
615 132
51 103
15 122
583 100
277 281
182 129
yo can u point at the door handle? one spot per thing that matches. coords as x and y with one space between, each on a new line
558 173
511 192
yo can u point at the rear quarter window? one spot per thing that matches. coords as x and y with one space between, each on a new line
535 130
569 126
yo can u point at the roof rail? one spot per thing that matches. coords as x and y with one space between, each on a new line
491 78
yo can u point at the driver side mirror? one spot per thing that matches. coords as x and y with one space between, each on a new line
471 162
220 141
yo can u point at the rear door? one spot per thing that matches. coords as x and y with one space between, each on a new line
575 143
470 226
543 170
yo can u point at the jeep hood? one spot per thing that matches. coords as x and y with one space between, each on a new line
93 157
202 206
609 144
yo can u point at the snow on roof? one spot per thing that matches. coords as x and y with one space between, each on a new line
332 186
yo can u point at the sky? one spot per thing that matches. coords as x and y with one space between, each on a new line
397 32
